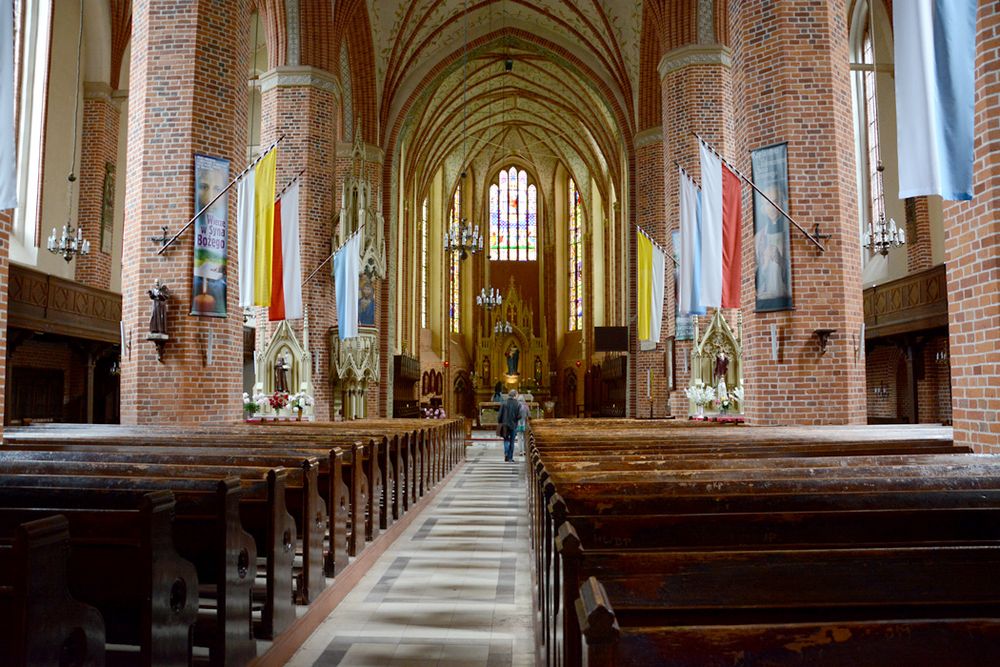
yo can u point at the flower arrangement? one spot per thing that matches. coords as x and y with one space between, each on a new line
250 405
700 394
434 413
278 400
737 394
301 401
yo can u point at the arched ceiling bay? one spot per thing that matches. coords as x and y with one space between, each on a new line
570 96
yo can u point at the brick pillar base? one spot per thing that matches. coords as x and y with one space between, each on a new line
972 246
188 95
792 85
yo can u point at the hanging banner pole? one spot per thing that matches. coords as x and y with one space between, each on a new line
330 256
662 249
289 184
760 192
207 206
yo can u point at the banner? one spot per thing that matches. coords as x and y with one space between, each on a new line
935 75
8 164
208 291
346 269
771 242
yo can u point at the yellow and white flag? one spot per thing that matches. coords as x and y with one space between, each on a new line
264 175
649 279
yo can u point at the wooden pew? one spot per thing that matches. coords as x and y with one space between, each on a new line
970 642
262 513
41 623
117 538
207 532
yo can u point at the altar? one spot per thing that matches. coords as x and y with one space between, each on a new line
508 353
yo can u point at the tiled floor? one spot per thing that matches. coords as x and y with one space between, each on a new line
454 589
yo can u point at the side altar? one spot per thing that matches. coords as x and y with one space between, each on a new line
717 362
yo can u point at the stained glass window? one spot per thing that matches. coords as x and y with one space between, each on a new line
575 227
513 217
423 267
456 267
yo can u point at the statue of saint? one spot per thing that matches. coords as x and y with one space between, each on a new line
158 319
512 354
721 366
281 375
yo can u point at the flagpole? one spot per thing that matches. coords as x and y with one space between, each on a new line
760 192
330 256
226 189
662 249
289 184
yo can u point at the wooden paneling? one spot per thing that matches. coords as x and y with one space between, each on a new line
915 303
40 302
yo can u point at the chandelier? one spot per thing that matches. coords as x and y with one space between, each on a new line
883 237
489 300
70 244
503 327
463 238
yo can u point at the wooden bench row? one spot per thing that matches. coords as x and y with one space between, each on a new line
684 560
303 499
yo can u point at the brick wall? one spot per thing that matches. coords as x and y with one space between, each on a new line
188 94
99 148
791 84
972 254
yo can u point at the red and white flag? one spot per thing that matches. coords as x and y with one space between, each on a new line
286 263
721 232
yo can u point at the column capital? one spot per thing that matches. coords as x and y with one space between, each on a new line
694 54
97 90
648 136
299 75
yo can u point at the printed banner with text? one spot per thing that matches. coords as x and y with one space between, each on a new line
208 291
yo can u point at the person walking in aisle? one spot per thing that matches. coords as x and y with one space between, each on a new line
510 413
524 413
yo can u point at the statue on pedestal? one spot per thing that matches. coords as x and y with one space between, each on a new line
721 366
512 354
158 319
281 375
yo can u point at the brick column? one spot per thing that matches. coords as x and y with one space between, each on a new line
302 104
972 246
792 84
188 94
696 87
651 216
918 235
99 157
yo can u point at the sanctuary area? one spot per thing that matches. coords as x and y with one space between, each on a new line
286 286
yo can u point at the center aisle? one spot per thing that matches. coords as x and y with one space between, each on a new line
454 589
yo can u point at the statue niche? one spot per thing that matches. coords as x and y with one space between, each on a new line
361 206
285 365
717 356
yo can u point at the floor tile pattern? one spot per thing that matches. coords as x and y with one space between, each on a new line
453 590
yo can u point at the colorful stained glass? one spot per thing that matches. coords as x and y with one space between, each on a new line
575 284
513 217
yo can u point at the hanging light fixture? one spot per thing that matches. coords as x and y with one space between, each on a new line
71 242
489 300
463 236
882 236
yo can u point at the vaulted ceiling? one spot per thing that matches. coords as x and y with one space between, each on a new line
570 94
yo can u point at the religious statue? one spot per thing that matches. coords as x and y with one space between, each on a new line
281 375
158 319
538 371
486 370
512 354
721 366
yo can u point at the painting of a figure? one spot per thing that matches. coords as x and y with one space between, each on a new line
210 237
366 301
771 242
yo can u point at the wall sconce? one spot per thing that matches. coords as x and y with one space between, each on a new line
941 356
823 336
881 391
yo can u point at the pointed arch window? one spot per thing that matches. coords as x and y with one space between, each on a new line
423 266
871 189
513 217
575 227
454 312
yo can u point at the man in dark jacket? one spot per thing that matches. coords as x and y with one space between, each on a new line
510 413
